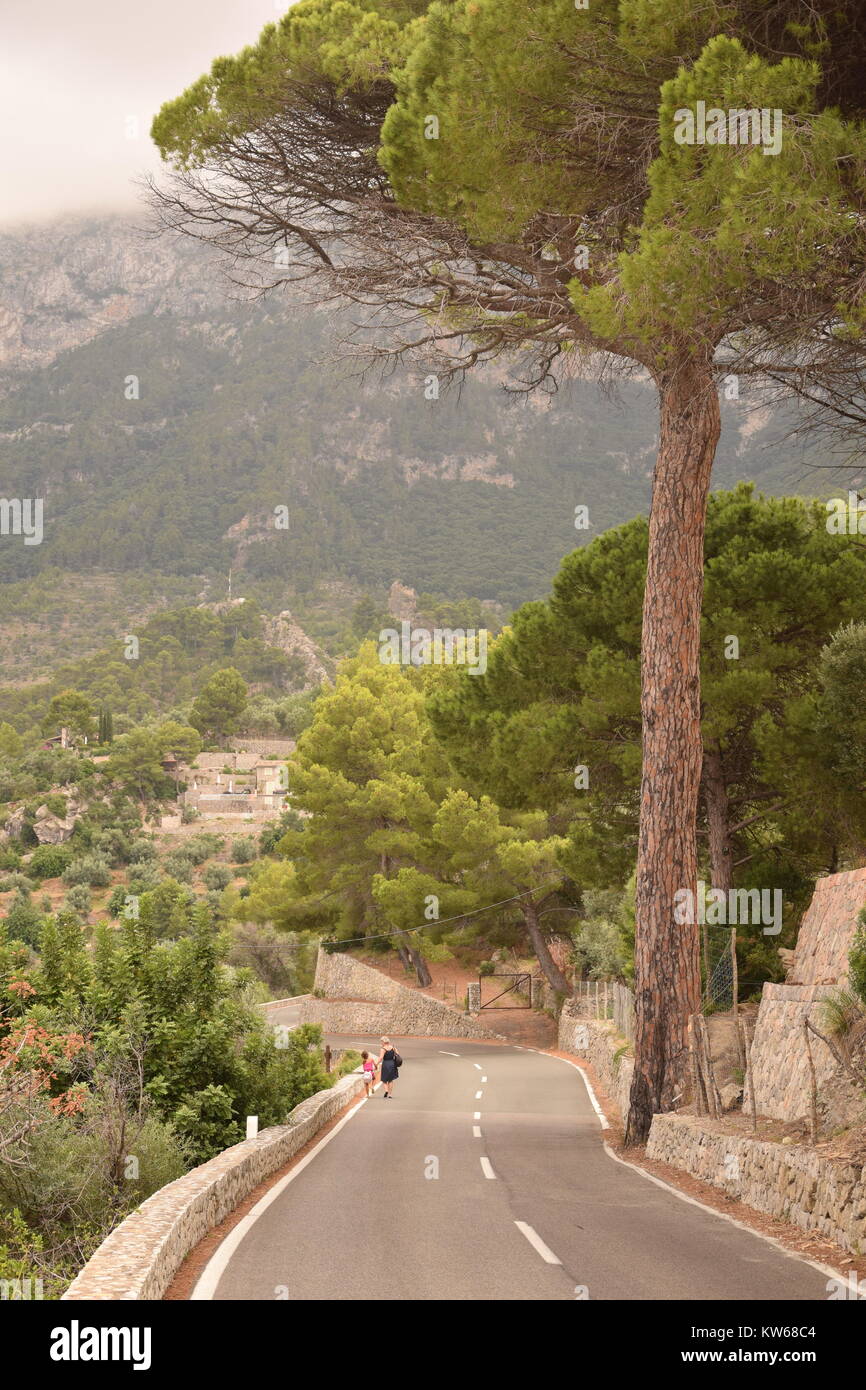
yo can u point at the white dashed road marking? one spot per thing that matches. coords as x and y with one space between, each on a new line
487 1169
537 1243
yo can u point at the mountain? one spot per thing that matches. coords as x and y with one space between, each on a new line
176 433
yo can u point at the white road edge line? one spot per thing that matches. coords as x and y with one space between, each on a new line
538 1244
213 1271
603 1120
668 1187
487 1168
476 1131
724 1216
442 1053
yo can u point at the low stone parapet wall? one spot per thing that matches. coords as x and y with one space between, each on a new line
416 1015
139 1259
788 1182
598 1043
273 1004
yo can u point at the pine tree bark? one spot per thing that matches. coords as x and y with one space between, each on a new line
716 805
551 971
667 955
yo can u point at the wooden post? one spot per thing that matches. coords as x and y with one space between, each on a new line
713 1097
813 1088
749 1079
327 1057
735 996
700 1105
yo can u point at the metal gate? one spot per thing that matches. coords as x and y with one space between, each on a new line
519 980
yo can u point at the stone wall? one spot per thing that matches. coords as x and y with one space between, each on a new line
598 1042
139 1259
788 1182
359 999
780 1068
280 747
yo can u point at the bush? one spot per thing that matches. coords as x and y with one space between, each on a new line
243 849
114 846
16 883
91 869
188 814
56 805
178 865
141 851
79 899
198 848
217 876
143 877
857 959
24 922
49 861
9 860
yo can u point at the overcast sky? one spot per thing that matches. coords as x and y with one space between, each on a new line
72 73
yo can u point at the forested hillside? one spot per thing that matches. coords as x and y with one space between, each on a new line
243 444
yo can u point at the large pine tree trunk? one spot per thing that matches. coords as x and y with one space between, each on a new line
551 971
716 804
667 968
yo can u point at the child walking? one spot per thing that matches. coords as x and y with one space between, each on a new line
369 1068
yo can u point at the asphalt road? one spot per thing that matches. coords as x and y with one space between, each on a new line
421 1195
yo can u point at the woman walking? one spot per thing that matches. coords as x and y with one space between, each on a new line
389 1060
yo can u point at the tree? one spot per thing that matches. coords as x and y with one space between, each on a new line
370 776
106 726
523 173
70 710
11 742
219 705
561 696
136 760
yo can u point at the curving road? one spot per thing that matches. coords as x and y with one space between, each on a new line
486 1178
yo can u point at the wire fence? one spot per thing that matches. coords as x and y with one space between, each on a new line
607 999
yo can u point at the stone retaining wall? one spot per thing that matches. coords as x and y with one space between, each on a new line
789 1182
780 1069
598 1042
139 1259
359 999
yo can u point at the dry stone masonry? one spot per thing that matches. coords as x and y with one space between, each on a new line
139 1259
793 1183
357 999
780 1068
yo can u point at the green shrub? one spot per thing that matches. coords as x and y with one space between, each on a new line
56 804
243 849
178 865
857 959
16 883
79 899
49 861
91 869
24 922
217 876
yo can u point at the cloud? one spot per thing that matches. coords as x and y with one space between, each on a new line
79 85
